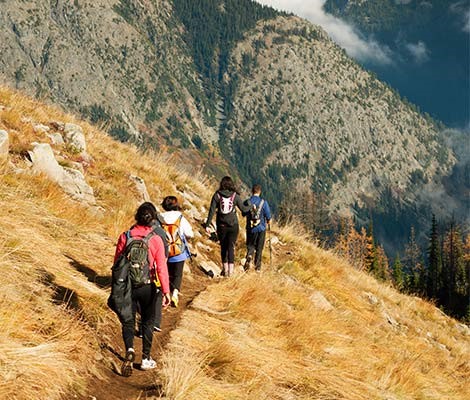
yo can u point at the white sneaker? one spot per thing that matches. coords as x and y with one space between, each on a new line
147 363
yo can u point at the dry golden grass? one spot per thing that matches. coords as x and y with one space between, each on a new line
56 254
252 337
261 337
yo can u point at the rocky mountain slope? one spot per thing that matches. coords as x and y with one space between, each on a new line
305 115
274 95
117 62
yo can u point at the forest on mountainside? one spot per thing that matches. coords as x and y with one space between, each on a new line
439 271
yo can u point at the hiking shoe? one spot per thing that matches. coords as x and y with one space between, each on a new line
147 363
174 301
157 329
126 369
247 265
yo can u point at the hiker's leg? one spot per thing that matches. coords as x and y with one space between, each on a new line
260 239
158 309
128 326
147 300
176 276
171 275
250 244
223 238
232 235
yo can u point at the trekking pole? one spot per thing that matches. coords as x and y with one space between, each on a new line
270 248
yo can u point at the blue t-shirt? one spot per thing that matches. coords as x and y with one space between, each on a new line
264 216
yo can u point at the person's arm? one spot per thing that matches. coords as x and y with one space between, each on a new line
159 259
267 212
120 246
212 208
186 228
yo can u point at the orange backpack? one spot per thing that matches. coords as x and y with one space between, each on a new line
176 244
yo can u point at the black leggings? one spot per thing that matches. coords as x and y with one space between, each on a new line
227 237
175 270
145 298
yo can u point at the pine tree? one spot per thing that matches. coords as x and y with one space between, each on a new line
454 274
397 274
413 265
434 273
381 264
371 262
467 270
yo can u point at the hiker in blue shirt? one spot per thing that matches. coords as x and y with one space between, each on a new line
256 221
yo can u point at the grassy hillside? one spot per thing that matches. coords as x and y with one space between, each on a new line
273 336
56 254
262 336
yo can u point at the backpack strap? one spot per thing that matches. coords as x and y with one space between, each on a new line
260 208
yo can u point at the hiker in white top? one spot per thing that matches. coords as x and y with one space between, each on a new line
178 231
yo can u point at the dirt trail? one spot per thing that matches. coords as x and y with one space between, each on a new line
143 384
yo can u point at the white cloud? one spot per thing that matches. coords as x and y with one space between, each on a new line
341 32
418 51
466 27
462 8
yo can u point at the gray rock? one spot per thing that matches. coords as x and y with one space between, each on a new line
210 268
392 321
372 299
141 188
463 329
40 128
74 137
56 138
44 161
275 240
320 301
73 183
4 144
70 180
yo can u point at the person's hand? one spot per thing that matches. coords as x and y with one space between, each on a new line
166 300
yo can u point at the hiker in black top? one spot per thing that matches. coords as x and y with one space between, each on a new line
224 201
257 219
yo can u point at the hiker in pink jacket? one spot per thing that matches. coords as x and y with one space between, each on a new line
144 294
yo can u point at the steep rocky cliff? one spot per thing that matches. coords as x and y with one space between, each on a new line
120 62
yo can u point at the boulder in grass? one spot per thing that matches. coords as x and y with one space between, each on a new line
141 188
4 144
72 181
320 301
74 137
210 268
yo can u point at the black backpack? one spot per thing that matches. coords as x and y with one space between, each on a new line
255 214
157 227
136 256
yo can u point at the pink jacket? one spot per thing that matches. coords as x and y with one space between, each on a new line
157 258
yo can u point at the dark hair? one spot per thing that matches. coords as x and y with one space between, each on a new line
170 203
226 183
146 214
256 189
